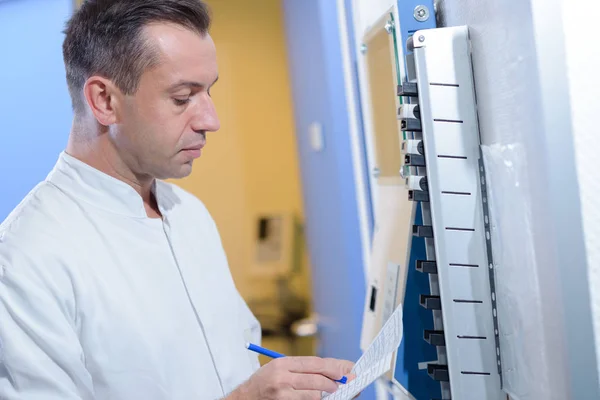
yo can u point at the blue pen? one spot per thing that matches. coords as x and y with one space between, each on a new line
274 354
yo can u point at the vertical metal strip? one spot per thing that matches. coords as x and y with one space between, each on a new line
490 257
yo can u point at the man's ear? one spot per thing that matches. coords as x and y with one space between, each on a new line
102 97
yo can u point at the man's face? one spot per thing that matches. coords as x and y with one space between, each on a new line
162 128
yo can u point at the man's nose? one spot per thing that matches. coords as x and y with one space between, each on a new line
206 118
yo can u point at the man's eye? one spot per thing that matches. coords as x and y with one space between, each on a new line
181 102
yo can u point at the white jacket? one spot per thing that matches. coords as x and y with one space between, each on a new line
98 301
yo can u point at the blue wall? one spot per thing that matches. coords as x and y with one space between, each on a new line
333 231
35 108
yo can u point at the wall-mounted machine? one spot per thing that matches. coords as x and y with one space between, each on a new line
445 144
442 205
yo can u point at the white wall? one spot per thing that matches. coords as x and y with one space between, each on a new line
522 90
583 63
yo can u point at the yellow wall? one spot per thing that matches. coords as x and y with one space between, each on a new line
250 166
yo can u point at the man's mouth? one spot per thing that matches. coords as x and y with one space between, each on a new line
197 146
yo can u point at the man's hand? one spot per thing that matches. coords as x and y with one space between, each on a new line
294 378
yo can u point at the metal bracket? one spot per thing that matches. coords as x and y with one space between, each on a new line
457 215
415 15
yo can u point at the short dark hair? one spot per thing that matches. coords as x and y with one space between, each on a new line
104 37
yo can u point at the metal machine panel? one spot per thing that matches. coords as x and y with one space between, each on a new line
451 147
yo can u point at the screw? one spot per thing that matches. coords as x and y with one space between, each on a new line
421 38
421 13
363 48
389 27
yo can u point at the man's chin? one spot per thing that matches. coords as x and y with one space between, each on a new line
182 171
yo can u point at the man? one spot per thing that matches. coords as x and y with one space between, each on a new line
113 283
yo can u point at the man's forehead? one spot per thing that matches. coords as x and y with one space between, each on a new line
175 44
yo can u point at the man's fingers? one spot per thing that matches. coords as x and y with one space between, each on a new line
313 382
335 369
307 395
305 365
346 366
330 367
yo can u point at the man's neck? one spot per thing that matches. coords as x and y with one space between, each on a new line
99 152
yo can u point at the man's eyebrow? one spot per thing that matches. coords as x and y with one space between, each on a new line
183 84
190 84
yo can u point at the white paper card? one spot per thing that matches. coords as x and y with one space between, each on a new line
376 361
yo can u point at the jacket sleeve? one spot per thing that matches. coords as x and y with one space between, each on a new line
40 353
254 333
252 330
